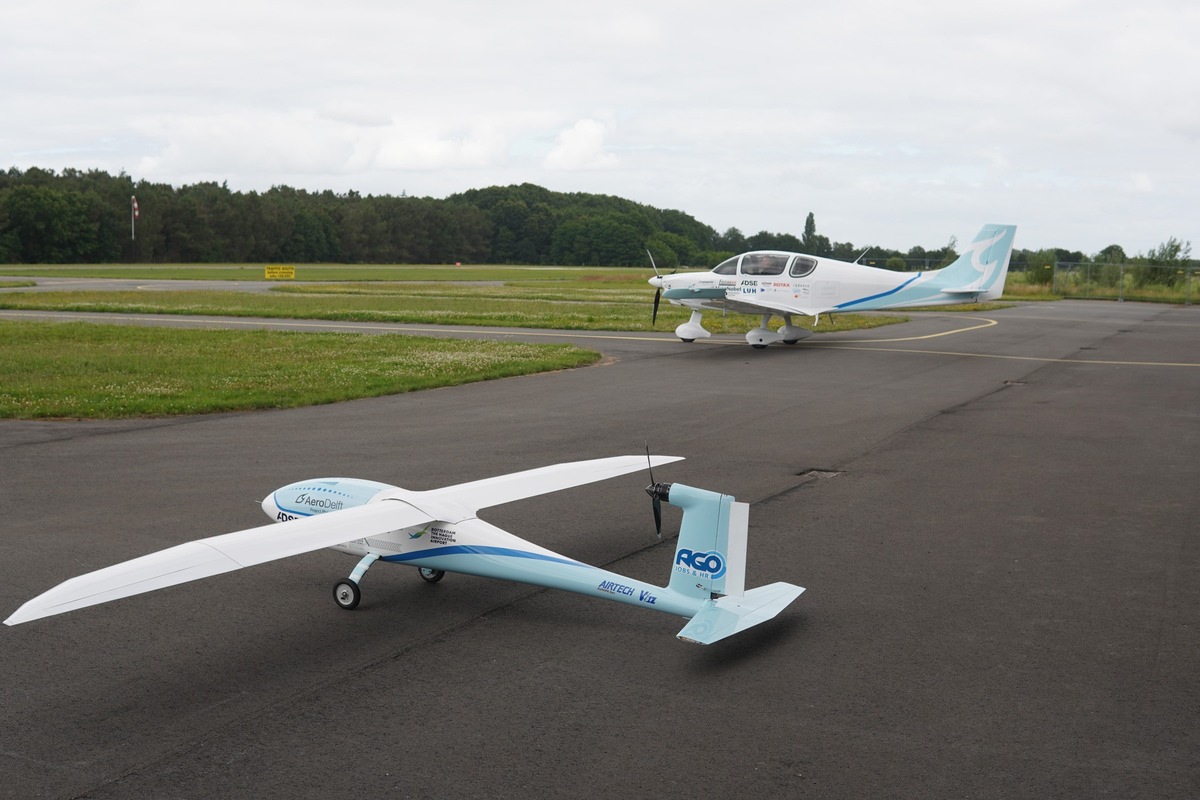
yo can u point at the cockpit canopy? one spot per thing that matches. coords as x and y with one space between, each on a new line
757 264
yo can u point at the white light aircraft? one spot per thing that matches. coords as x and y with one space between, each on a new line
438 531
777 283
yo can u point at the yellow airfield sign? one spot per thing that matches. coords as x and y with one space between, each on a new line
280 272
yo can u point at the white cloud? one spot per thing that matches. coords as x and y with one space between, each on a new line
1141 183
581 147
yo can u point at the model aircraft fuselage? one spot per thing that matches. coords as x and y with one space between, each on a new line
778 283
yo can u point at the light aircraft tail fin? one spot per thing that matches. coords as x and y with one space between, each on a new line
710 564
979 273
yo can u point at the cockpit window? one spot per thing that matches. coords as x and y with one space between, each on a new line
763 263
802 266
726 267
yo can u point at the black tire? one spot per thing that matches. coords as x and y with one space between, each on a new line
431 575
347 594
689 341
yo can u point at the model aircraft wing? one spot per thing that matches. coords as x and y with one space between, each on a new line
217 554
472 496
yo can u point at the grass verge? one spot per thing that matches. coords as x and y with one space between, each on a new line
83 370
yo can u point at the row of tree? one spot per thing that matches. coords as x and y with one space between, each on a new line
78 216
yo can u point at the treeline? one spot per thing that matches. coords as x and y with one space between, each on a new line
78 216
86 217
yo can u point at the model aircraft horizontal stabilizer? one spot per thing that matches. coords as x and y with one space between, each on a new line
726 616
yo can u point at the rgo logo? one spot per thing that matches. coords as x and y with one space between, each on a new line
711 564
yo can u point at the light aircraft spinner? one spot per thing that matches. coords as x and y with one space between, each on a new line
438 531
778 283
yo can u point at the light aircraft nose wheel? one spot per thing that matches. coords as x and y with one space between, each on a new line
347 594
431 575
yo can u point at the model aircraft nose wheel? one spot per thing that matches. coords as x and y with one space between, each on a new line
431 575
347 594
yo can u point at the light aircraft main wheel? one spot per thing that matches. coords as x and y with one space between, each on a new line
689 341
431 575
347 594
759 346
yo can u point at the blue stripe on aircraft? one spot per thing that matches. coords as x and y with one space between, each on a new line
881 294
462 550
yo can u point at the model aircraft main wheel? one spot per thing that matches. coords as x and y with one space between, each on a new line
431 575
347 594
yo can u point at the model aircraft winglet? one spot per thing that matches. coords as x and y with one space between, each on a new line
778 283
438 531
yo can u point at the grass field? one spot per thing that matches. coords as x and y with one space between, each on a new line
82 370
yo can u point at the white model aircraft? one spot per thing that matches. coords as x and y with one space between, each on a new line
777 283
438 531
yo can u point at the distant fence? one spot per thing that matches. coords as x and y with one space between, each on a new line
1173 284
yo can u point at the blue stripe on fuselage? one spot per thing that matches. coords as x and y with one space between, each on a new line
479 550
881 294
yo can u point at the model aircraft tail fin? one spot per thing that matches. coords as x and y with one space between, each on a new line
710 556
710 563
979 273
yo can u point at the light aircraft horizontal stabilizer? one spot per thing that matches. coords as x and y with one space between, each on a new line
438 531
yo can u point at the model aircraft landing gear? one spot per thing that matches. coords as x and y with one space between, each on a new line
431 575
346 592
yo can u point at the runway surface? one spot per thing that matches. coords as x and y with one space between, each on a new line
1000 555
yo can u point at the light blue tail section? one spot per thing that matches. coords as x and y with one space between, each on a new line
979 273
710 567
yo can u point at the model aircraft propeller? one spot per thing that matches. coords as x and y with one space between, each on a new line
657 492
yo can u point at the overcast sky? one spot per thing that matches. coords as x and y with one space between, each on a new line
896 124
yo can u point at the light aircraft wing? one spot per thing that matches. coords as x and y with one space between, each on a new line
472 496
216 554
764 306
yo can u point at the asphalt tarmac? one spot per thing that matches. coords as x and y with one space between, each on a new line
999 543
